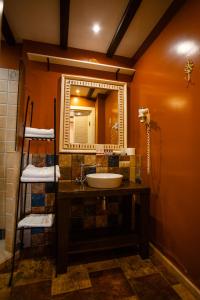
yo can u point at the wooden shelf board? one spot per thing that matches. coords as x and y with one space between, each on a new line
79 63
119 241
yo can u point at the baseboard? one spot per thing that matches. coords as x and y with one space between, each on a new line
182 278
5 259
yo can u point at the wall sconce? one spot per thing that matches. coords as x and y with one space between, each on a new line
189 66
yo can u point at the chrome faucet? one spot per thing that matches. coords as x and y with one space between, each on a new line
82 177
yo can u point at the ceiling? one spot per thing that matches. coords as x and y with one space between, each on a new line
40 20
87 92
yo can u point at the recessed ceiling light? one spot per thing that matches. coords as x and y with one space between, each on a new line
96 28
78 91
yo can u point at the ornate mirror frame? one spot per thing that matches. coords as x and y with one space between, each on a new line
66 82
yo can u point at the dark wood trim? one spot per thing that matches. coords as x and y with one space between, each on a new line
164 20
64 22
90 92
116 74
127 17
7 32
48 64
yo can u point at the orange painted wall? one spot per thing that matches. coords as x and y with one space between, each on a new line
9 56
111 113
42 85
159 84
82 101
100 119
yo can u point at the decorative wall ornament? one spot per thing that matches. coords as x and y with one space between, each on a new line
189 66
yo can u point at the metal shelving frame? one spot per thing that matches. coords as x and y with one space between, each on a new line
20 212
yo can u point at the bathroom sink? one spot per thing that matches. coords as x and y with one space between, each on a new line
104 180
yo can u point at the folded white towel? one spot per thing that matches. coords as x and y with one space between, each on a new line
40 172
38 179
37 220
42 136
37 132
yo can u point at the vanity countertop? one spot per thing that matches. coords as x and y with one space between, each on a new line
73 190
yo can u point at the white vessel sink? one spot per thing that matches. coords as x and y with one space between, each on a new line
104 180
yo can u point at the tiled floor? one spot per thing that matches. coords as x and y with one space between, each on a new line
126 278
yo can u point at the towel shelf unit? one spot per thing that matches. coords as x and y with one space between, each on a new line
21 215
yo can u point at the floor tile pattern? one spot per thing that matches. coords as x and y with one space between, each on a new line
125 278
153 287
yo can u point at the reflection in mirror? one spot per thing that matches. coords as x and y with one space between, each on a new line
93 115
93 111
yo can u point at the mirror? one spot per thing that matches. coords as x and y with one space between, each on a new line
93 115
93 112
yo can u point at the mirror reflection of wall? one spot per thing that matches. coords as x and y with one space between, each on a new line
82 124
93 115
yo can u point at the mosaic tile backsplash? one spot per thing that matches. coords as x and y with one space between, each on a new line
85 214
70 165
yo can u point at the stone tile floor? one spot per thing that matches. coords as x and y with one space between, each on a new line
126 278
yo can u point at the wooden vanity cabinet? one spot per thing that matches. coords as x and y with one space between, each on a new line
131 232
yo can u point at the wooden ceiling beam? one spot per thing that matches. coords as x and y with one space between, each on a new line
7 32
64 23
164 20
127 17
90 93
